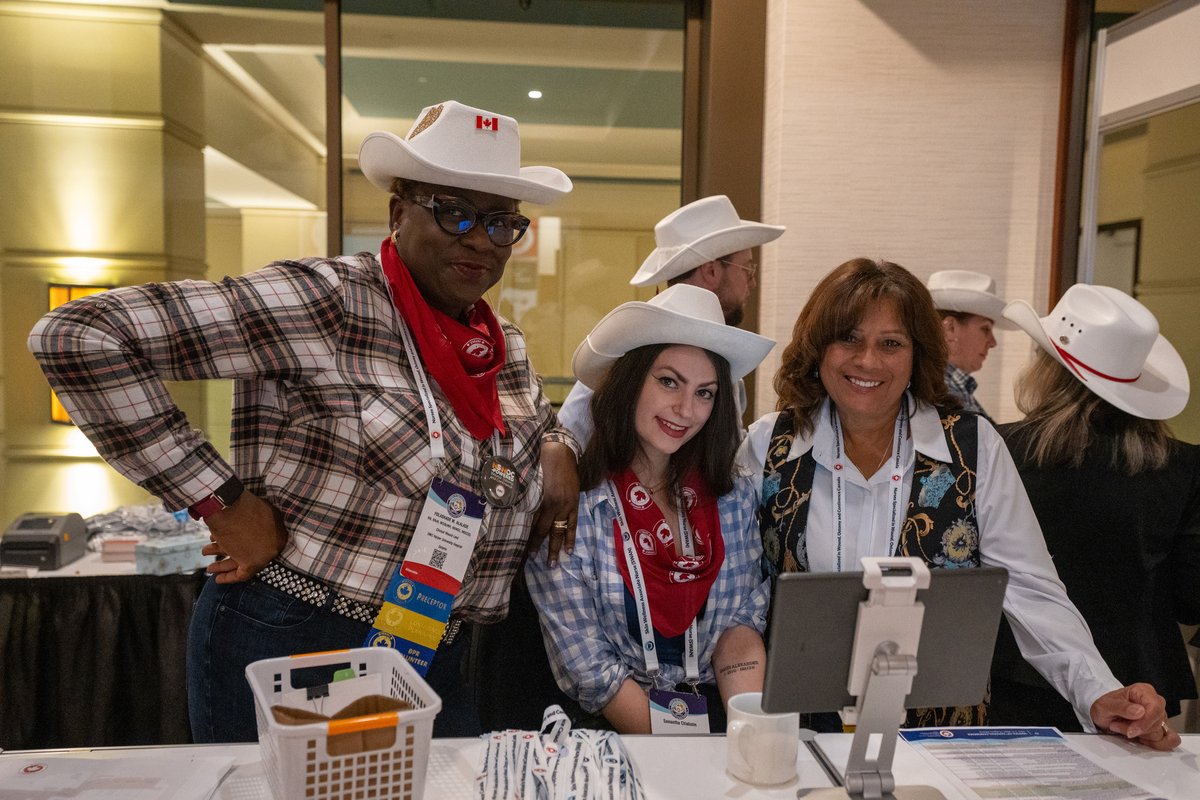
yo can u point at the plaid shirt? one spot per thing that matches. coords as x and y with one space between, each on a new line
582 601
327 422
962 388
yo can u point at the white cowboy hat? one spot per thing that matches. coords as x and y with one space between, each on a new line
970 292
701 231
455 145
681 314
1111 343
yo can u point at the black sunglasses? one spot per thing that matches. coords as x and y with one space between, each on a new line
456 217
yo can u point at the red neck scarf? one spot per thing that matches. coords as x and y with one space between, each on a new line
676 585
463 359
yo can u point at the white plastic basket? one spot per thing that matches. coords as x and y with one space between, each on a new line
296 758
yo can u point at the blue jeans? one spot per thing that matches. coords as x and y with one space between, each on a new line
236 624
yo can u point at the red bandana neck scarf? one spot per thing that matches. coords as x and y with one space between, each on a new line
676 585
463 359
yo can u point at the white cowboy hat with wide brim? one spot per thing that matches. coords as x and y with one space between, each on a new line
455 145
701 231
1111 343
968 292
681 314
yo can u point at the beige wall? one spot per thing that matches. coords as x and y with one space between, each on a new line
1151 172
923 133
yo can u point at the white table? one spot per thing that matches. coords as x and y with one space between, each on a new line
674 767
1174 775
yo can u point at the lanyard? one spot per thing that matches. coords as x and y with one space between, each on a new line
641 601
437 447
556 764
896 482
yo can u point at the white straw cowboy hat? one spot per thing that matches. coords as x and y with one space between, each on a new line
1111 343
681 314
701 231
969 292
455 145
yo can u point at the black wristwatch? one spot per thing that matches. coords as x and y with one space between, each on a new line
226 495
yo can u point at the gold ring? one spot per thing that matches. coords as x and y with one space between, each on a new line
560 525
1166 728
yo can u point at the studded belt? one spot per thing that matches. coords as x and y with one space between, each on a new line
321 595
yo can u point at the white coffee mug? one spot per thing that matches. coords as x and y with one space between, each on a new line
761 747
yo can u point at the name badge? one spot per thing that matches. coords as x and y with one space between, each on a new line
678 713
421 592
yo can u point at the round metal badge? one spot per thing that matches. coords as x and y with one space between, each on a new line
500 482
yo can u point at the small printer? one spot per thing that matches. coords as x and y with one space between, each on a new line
44 541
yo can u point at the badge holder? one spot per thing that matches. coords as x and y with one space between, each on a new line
420 594
677 713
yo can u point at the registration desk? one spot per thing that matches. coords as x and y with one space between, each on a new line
93 654
678 767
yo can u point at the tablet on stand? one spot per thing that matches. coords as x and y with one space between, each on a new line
849 642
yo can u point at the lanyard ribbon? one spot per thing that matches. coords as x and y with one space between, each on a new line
641 601
437 448
895 482
556 764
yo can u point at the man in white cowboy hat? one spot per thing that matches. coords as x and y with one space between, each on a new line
703 244
371 391
970 310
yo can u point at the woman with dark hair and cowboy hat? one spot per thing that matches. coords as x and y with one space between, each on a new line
658 610
1117 497
864 459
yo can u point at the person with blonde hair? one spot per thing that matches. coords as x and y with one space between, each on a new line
1118 498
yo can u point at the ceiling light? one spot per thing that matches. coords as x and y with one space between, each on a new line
534 94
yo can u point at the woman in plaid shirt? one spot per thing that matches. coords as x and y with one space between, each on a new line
666 556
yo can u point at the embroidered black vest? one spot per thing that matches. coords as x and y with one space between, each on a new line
940 525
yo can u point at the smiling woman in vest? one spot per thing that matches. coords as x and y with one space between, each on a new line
655 617
862 459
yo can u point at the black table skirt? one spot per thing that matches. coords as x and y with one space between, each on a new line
94 661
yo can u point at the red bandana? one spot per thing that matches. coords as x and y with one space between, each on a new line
676 585
463 359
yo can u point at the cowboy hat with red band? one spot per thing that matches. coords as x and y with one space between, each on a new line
455 145
1110 342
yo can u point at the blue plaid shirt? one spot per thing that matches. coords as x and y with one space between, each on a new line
583 610
962 388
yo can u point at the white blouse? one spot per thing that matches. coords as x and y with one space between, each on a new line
1051 633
